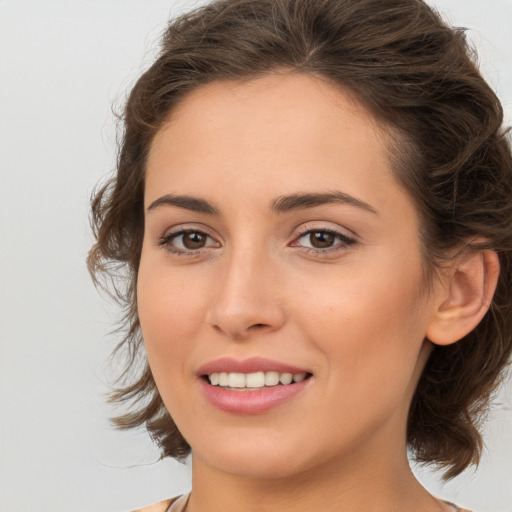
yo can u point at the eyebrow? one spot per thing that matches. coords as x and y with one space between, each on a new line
282 204
299 201
194 204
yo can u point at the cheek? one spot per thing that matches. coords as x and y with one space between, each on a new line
369 325
171 313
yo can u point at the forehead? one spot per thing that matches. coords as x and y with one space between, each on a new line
280 133
305 105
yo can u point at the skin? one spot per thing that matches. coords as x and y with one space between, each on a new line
354 314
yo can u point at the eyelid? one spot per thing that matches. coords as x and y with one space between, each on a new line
185 227
345 242
313 226
182 229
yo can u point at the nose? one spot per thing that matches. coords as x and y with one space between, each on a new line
246 299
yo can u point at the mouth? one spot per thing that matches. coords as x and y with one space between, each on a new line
236 381
252 386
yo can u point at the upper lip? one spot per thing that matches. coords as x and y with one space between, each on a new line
250 365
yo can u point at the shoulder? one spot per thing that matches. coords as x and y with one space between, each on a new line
456 508
161 506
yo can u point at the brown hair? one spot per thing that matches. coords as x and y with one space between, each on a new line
417 76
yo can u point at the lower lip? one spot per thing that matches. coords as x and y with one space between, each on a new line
251 402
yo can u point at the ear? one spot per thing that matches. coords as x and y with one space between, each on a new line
463 295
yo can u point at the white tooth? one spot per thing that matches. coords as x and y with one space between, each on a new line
255 380
298 377
236 380
285 378
223 379
214 379
271 378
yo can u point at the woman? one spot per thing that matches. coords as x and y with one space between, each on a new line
312 202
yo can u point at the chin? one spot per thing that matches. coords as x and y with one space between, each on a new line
254 468
266 456
268 459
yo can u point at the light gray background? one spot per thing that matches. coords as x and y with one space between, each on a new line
62 66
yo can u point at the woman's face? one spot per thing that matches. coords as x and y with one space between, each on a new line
277 242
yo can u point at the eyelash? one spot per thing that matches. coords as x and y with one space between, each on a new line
165 241
344 241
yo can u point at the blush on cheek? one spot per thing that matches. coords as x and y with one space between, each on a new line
371 329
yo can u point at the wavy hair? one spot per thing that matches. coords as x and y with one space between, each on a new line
418 77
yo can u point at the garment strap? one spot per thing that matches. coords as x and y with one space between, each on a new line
178 504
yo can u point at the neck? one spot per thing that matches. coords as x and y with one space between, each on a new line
381 481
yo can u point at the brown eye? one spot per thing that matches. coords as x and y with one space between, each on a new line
194 240
321 239
187 241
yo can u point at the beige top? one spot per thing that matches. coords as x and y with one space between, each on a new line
172 505
178 505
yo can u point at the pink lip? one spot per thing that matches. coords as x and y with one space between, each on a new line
249 402
251 365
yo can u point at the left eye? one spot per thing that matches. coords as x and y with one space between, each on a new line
189 240
323 239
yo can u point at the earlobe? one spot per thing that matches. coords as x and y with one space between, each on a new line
463 296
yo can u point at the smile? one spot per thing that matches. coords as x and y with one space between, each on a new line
256 380
251 386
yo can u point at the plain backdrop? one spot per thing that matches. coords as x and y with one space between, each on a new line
63 64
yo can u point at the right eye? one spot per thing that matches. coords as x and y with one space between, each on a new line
187 241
